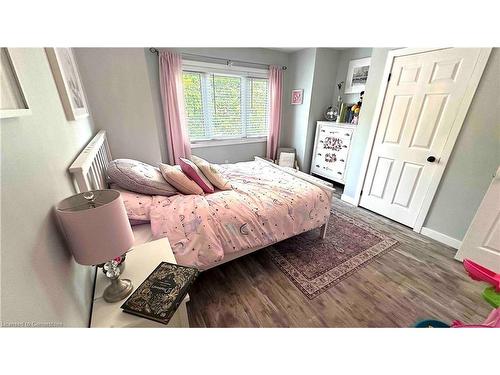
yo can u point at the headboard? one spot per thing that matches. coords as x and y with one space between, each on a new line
89 168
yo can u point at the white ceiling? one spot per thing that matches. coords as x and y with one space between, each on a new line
286 49
294 49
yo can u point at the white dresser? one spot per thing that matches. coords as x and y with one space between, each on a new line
332 144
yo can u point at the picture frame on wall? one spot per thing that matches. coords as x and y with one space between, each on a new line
68 82
357 74
297 96
13 102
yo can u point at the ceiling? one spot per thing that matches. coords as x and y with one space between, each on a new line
294 49
286 49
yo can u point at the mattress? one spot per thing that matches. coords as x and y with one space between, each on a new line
266 205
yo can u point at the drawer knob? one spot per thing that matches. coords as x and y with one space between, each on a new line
347 134
344 146
342 160
339 172
317 165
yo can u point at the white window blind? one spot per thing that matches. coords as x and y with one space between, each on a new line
224 105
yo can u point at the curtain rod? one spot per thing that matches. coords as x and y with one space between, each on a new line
227 61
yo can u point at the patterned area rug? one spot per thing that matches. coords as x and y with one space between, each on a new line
315 265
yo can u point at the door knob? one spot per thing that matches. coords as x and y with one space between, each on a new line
431 159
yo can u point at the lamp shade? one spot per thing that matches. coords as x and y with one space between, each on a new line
96 226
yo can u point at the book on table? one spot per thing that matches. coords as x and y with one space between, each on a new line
159 296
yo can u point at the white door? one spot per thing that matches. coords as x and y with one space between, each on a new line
482 241
422 99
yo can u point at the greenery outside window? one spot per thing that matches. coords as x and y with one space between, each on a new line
221 106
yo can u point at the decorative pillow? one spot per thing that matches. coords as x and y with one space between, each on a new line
176 177
212 173
191 170
139 177
137 205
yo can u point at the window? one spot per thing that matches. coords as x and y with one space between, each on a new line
222 105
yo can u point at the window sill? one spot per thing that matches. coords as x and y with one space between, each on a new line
228 142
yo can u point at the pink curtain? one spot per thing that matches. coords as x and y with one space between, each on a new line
275 93
173 106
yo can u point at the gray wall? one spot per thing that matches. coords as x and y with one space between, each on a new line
121 99
343 65
123 90
474 160
300 75
360 139
315 71
323 90
40 282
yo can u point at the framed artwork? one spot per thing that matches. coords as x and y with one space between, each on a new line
13 102
297 96
68 82
357 74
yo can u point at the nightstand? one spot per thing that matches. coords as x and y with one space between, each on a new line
140 262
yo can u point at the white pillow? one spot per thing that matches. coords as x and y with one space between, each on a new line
286 159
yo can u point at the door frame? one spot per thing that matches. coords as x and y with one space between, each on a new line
474 80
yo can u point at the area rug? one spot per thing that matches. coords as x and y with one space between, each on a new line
314 265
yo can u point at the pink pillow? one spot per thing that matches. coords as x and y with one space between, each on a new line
212 173
176 177
191 170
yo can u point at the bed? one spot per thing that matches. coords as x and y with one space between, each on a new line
267 204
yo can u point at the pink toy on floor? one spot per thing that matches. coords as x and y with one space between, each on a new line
492 321
480 273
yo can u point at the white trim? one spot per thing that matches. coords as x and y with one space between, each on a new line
450 142
16 112
348 199
440 237
228 142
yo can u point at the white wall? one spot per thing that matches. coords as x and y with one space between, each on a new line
123 90
40 282
474 160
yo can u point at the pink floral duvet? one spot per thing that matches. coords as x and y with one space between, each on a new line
265 206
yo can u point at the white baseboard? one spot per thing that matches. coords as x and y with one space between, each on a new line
348 199
440 237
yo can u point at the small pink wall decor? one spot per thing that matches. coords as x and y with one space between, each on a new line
297 96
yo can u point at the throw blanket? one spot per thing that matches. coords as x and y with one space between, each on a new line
265 206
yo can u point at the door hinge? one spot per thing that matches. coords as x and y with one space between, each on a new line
389 78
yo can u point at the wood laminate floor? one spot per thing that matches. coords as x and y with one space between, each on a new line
417 279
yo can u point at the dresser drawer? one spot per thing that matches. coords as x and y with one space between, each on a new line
331 162
336 132
332 142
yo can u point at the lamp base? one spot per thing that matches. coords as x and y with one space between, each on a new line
118 290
